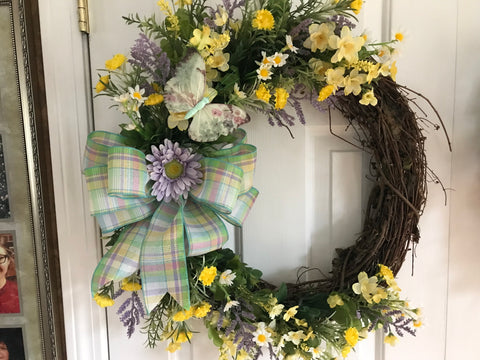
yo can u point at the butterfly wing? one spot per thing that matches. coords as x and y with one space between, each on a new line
215 120
187 87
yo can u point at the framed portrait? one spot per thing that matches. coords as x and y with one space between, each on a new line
9 298
31 318
12 346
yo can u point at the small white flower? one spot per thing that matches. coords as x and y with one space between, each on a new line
230 304
227 277
264 72
127 104
239 92
289 42
266 62
278 59
137 94
261 336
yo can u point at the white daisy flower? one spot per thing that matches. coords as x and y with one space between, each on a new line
264 72
261 336
227 277
230 304
290 46
278 59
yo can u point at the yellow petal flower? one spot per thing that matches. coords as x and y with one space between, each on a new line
154 99
172 347
263 20
262 93
101 85
201 38
202 310
351 336
115 62
182 315
356 6
369 99
290 313
129 284
103 300
334 300
281 96
393 71
346 351
324 93
319 36
391 340
183 336
207 275
385 272
346 45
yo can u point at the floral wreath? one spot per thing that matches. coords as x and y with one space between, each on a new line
163 188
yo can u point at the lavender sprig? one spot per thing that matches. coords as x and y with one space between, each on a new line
150 57
130 313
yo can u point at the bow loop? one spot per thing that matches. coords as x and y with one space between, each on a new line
221 185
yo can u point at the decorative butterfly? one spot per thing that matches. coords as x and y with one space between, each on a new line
187 96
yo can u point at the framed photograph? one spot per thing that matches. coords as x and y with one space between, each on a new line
31 317
9 299
11 343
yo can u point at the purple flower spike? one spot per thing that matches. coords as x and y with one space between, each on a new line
149 56
174 170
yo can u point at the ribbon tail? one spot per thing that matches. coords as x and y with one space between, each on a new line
163 261
121 260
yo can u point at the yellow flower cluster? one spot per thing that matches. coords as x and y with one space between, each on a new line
207 275
115 62
211 44
263 20
102 83
154 99
171 18
347 48
103 300
130 284
198 311
351 336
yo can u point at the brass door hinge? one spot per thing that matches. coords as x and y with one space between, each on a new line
83 19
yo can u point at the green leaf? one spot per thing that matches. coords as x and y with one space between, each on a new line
256 273
213 335
185 23
281 293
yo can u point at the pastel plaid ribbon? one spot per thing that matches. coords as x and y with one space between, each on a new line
153 240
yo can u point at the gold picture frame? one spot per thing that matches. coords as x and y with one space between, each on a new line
28 186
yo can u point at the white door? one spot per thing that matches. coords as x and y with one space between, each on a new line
301 207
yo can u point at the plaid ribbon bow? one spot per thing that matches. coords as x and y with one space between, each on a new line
153 239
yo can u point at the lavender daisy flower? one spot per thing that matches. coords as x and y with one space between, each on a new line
174 170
